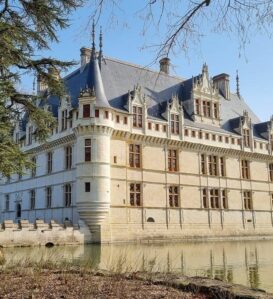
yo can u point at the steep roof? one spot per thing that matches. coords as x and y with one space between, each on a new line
118 77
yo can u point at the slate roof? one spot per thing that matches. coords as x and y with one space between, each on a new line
119 77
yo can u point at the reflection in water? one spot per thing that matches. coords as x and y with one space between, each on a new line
249 262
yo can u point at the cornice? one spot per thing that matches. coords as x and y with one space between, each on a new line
197 147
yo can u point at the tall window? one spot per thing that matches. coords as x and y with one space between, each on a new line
68 157
48 197
137 117
245 169
206 108
134 155
32 199
205 198
34 167
30 132
7 202
175 124
87 150
214 199
271 172
247 200
212 163
67 195
222 166
224 199
49 162
172 160
203 164
215 110
197 107
86 110
246 137
173 196
64 120
135 194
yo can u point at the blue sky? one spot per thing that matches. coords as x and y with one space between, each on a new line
123 39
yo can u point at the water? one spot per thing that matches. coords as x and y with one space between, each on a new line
246 262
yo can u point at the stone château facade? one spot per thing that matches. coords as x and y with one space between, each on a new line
139 154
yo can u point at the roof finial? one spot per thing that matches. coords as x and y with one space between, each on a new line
93 40
237 85
100 53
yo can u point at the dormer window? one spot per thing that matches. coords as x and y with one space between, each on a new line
86 110
17 137
137 117
175 124
206 108
197 107
246 137
216 110
64 120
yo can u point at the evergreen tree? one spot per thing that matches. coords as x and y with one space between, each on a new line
27 27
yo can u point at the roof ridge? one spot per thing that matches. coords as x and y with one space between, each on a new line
142 68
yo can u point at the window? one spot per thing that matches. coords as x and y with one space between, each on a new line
17 137
115 159
97 113
215 110
106 114
175 124
226 139
172 160
87 150
214 199
206 109
247 200
34 167
212 165
125 120
213 137
232 140
137 117
117 119
68 157
193 133
186 132
222 166
64 120
49 162
32 199
197 107
67 195
271 172
134 155
173 196
164 128
48 197
224 199
205 198
220 138
87 187
245 169
246 137
7 202
149 126
135 194
86 110
203 164
157 127
30 132
18 210
200 135
207 136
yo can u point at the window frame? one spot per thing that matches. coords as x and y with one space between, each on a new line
135 194
135 157
67 195
87 150
173 160
137 116
173 192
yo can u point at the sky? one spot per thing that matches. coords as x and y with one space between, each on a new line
123 39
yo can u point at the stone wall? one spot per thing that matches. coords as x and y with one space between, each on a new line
40 233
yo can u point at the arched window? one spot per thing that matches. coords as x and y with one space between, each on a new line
18 210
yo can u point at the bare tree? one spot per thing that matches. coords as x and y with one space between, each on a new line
185 21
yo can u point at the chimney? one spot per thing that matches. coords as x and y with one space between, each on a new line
85 57
165 65
222 83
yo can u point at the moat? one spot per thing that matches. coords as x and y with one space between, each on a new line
245 262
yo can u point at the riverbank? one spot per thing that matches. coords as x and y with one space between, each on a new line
74 282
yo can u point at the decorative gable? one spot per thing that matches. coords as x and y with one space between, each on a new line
136 98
